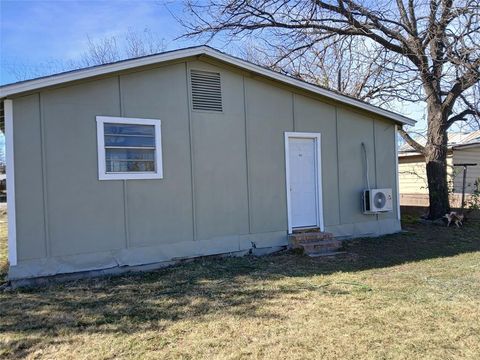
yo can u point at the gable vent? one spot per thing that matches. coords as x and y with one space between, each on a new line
206 90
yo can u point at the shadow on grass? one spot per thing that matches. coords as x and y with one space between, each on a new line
232 286
417 242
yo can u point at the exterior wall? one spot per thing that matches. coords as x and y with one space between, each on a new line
145 95
224 173
83 214
466 156
219 162
385 164
29 199
413 177
314 116
413 174
269 113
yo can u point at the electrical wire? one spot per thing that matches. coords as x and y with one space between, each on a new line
366 164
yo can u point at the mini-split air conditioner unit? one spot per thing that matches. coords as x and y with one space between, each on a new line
377 201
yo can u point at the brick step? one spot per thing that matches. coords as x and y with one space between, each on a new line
321 246
306 230
315 243
297 238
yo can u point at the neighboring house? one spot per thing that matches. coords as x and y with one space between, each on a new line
183 154
462 148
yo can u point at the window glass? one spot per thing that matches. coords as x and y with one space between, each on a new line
130 166
128 129
131 141
129 148
130 154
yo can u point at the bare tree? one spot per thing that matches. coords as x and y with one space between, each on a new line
102 51
349 65
414 50
98 51
143 43
131 45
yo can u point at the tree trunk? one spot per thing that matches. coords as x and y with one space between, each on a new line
436 164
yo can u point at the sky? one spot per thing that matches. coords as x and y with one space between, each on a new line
36 34
33 33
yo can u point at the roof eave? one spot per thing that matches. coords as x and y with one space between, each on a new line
467 145
408 153
35 84
310 87
80 74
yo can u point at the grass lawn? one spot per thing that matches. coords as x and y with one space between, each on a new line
412 295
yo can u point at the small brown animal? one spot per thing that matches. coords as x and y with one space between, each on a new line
454 217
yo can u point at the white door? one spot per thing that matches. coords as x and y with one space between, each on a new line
303 182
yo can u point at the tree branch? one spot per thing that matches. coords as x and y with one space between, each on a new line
462 83
410 141
460 116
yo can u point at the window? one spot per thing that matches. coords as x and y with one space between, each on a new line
129 148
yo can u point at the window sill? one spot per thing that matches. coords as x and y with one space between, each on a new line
126 176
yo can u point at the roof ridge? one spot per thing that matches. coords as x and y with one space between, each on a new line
97 70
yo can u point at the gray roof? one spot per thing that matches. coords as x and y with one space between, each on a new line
455 140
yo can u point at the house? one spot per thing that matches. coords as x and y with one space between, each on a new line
463 148
182 154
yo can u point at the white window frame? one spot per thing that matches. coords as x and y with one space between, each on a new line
103 174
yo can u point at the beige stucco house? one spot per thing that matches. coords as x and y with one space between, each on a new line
462 148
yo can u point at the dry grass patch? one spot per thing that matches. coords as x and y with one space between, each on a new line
406 296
